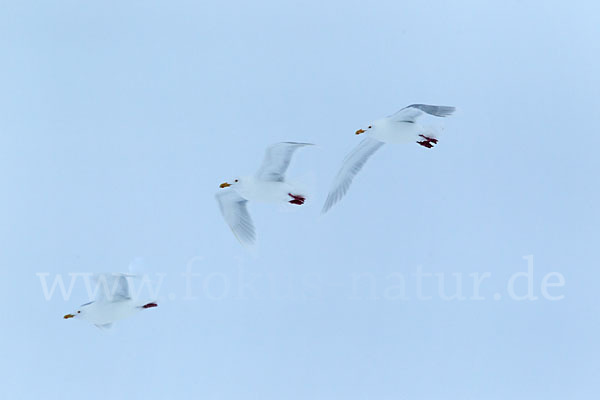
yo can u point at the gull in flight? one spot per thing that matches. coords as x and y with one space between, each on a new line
268 185
112 302
401 127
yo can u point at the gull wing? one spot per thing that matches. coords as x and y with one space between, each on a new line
276 161
112 287
412 112
234 210
350 167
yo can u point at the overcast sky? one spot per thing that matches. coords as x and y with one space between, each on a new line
119 120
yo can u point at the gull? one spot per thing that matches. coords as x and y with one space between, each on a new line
112 302
401 127
268 185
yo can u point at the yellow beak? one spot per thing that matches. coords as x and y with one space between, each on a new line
68 316
224 185
358 132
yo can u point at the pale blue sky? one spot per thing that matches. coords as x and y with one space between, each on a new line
120 119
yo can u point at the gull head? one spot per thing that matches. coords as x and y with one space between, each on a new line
81 313
75 314
358 132
224 185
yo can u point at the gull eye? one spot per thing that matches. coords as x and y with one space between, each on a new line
235 180
78 312
370 126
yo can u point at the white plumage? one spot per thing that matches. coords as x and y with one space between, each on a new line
112 302
268 185
400 127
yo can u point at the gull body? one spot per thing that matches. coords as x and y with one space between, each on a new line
401 127
253 189
388 131
103 313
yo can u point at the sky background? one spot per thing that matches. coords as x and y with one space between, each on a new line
119 120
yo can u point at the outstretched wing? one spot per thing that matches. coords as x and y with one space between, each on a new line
112 287
352 164
412 112
276 161
233 208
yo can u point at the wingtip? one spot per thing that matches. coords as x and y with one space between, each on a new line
246 242
327 206
299 143
450 110
444 111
